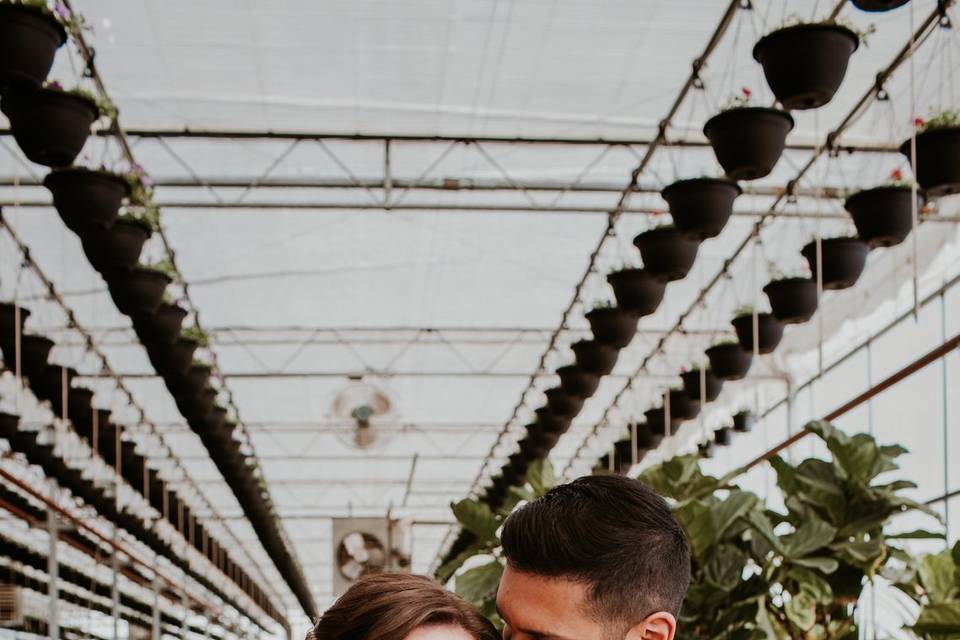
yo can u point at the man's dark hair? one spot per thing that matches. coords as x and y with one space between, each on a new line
612 533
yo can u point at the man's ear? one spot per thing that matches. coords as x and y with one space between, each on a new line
657 626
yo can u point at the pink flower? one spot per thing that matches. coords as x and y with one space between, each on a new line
896 174
746 92
919 122
61 11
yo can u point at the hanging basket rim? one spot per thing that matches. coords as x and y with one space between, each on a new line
883 188
726 113
804 26
679 184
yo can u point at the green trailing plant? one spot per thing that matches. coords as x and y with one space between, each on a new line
604 304
165 266
102 103
478 585
740 100
758 573
933 582
743 310
795 20
198 335
73 24
946 119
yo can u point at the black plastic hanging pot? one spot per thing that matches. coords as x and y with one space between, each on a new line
214 426
191 381
562 403
701 207
823 50
515 470
623 454
792 300
666 252
49 383
748 141
85 197
532 450
769 332
552 422
691 384
705 449
875 6
682 406
29 39
938 160
34 352
197 406
8 327
637 290
578 382
883 215
613 326
79 404
843 260
116 248
657 422
171 359
8 425
721 436
138 291
729 361
49 125
743 421
593 357
541 436
647 440
162 326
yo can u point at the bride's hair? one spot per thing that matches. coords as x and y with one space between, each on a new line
389 606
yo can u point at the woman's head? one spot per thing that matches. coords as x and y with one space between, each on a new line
397 606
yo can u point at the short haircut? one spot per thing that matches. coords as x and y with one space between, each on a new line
614 534
389 606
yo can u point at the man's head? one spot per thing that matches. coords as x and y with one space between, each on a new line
600 558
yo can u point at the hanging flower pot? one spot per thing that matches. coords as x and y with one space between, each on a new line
743 421
875 6
8 425
50 125
657 422
594 357
34 352
705 450
701 207
539 435
49 383
637 290
843 260
748 141
769 332
578 382
647 440
532 450
563 403
190 382
29 39
515 470
197 406
551 421
825 49
729 361
666 252
138 291
691 384
623 454
883 215
793 300
721 437
116 248
79 404
938 156
85 197
214 426
682 406
163 326
170 359
8 327
613 326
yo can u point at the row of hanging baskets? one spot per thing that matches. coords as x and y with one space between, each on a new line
56 385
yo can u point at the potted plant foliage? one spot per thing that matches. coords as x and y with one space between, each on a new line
637 290
729 361
691 383
86 197
578 382
884 215
701 207
594 357
938 153
140 290
743 421
875 6
825 49
611 325
162 326
932 581
748 140
30 35
769 330
562 403
666 252
50 124
793 300
843 260
682 406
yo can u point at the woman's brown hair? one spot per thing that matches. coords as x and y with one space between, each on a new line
389 606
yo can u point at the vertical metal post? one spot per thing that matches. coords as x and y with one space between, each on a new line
944 391
115 587
53 571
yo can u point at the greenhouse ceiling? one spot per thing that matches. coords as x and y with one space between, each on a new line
412 205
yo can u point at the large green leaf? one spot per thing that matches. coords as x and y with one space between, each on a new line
812 583
540 476
736 505
802 610
479 583
938 575
812 535
762 527
725 567
450 567
825 565
938 619
477 518
696 521
916 534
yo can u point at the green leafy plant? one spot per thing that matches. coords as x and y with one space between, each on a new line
103 104
795 20
947 119
933 582
743 310
740 100
165 266
478 585
604 304
197 335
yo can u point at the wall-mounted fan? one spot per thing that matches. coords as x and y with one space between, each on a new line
363 546
367 408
